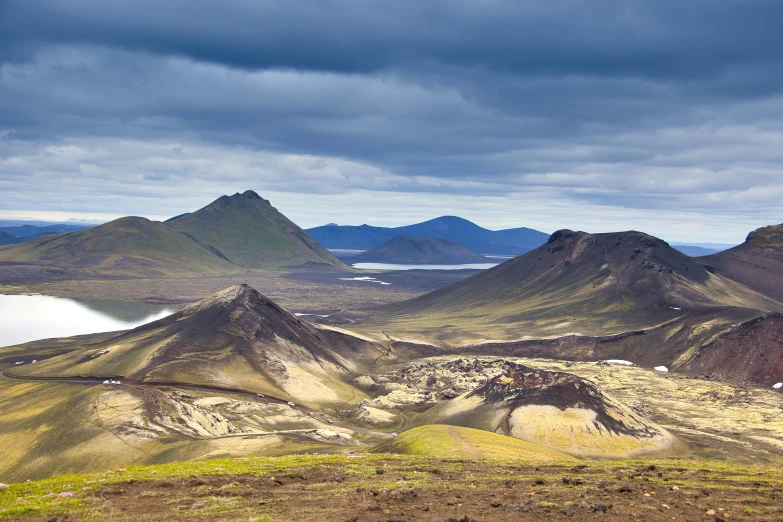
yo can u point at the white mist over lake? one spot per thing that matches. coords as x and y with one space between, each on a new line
25 318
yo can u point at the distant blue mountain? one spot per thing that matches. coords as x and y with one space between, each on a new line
10 235
8 239
695 251
511 241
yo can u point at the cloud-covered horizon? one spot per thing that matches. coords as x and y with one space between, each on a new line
604 115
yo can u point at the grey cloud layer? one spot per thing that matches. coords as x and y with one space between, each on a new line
634 104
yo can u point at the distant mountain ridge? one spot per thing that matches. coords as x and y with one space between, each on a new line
419 250
8 239
478 239
28 231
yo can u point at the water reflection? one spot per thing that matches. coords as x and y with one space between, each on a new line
25 318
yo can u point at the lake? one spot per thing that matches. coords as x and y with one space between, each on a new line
25 318
390 266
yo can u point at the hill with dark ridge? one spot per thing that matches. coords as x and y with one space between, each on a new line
478 239
577 283
553 409
419 250
248 231
129 246
236 338
757 263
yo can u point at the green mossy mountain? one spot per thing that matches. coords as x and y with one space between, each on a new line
126 246
230 235
248 231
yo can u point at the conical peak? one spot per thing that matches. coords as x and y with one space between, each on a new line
231 297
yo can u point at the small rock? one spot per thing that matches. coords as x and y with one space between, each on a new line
379 471
539 482
602 508
496 504
710 512
625 489
509 484
569 511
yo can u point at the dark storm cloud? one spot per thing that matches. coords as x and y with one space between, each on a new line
659 38
662 105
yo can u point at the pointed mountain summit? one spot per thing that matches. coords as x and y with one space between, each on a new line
131 246
756 263
419 250
554 409
596 284
236 338
248 231
231 234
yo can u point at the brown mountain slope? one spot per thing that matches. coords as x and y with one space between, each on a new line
236 338
554 409
419 250
757 263
127 246
751 351
592 284
248 231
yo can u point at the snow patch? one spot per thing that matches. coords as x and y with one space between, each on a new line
778 385
619 361
662 369
314 315
366 279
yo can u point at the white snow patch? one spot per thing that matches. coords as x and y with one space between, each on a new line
675 308
314 315
367 279
619 361
778 385
662 369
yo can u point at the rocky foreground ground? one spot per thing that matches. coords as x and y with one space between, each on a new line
385 488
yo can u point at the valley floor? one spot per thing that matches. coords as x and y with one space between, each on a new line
316 289
381 488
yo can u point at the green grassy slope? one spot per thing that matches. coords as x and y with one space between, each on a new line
338 487
436 440
250 232
132 246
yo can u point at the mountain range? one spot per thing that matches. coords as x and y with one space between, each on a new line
511 241
419 250
231 234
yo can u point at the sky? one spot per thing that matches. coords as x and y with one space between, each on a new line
658 115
